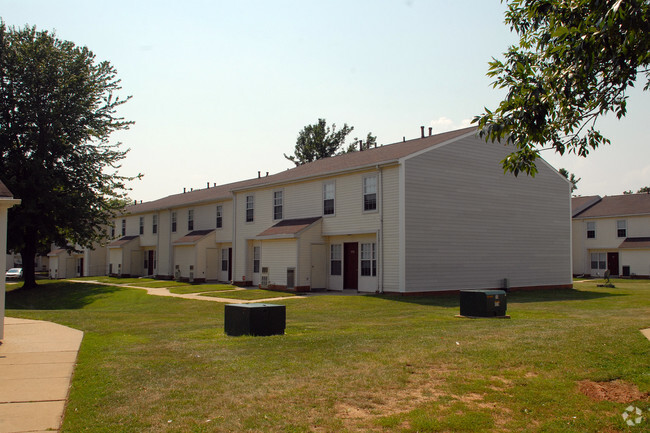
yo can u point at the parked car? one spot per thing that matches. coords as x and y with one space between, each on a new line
14 273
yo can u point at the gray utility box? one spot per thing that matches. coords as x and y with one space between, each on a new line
483 303
255 319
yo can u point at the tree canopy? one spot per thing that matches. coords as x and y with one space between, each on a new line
571 178
319 141
57 110
573 64
642 190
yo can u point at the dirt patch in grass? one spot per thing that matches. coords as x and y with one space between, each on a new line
616 390
422 386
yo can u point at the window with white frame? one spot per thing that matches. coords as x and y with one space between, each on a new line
277 205
621 228
224 259
250 208
190 219
154 224
335 259
112 231
256 260
368 260
329 191
370 193
591 230
123 227
141 225
173 222
219 216
598 260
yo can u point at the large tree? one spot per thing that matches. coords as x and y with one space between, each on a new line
571 178
573 64
318 141
57 111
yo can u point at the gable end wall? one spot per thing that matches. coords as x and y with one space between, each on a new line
469 225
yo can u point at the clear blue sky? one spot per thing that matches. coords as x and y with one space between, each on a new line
221 89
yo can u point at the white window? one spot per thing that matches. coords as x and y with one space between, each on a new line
190 219
591 230
598 260
123 227
329 191
112 231
250 208
219 216
141 225
368 260
154 224
621 228
335 259
256 260
277 205
173 222
224 259
370 193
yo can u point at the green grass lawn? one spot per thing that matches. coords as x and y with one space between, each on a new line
250 294
355 364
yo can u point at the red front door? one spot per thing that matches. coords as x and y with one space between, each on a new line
351 265
150 263
612 263
229 264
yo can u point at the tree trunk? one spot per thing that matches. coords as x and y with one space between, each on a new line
28 255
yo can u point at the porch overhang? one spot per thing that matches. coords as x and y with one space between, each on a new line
119 243
635 243
287 229
192 237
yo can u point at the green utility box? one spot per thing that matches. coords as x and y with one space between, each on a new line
254 319
483 303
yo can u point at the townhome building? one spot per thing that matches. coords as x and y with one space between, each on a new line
431 214
611 233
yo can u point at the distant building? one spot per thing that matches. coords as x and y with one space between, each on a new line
611 233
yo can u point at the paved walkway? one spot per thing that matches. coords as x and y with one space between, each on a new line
36 363
160 291
646 332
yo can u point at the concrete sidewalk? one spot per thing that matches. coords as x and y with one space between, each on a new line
36 363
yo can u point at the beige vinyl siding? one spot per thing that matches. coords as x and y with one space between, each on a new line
95 262
469 225
278 255
184 257
637 260
224 234
247 231
311 235
349 215
164 249
148 238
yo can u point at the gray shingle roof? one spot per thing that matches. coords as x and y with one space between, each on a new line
321 167
618 205
578 204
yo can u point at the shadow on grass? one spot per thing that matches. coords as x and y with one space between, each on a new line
453 300
56 296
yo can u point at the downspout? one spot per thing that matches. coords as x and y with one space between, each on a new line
380 235
157 253
171 248
233 242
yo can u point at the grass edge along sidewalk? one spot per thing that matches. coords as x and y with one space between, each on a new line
198 293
